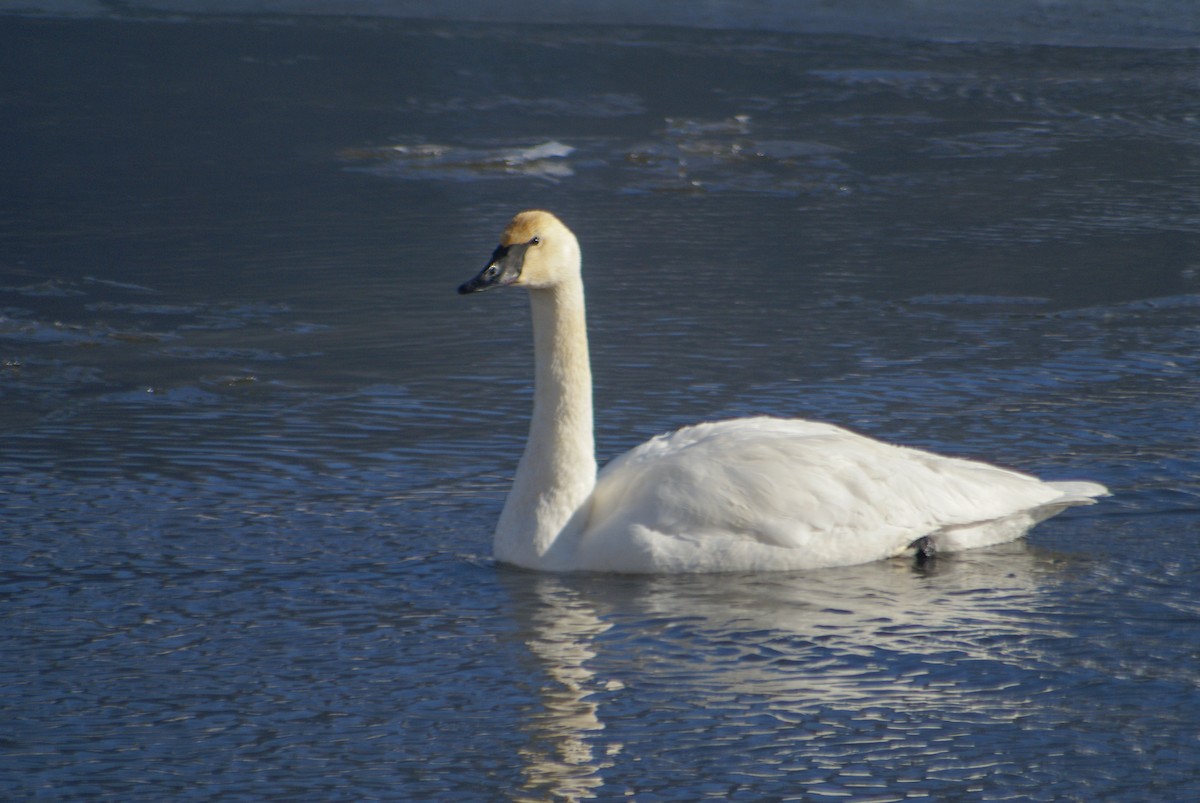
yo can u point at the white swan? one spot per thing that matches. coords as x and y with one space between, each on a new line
748 494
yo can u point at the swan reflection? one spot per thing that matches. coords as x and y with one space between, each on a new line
564 757
948 641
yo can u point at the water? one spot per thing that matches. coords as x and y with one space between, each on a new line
254 444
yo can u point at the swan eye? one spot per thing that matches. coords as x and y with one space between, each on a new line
492 270
535 241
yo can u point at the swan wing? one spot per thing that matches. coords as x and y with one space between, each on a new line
761 493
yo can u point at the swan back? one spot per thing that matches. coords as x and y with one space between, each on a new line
768 493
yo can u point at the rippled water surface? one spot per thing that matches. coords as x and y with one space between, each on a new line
252 444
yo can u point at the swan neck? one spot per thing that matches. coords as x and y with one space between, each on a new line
563 374
557 472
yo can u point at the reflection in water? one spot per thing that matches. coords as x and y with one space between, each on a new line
562 758
787 659
886 633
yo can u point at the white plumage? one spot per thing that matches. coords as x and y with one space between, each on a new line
769 493
748 494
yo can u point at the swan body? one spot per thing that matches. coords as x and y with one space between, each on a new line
750 494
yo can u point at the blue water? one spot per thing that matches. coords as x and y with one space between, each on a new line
252 445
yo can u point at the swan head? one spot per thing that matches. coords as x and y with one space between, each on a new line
536 251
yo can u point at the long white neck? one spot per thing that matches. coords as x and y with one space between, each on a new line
546 508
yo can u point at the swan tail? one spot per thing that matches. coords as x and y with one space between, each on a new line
956 538
1078 493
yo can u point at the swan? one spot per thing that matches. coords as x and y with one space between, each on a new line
749 494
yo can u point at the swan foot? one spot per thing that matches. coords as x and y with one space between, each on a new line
925 550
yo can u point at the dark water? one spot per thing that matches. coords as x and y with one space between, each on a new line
253 444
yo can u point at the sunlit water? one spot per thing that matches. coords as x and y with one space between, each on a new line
254 445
